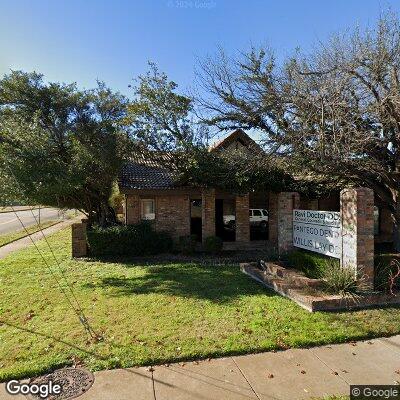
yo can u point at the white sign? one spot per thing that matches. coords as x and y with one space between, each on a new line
318 231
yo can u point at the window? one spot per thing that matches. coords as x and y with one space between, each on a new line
257 213
265 213
148 209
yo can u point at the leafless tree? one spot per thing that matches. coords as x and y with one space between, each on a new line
334 113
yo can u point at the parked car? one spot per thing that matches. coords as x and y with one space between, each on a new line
258 217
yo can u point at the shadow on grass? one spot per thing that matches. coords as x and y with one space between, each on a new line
222 259
217 284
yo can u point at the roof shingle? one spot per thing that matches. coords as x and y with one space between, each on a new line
141 176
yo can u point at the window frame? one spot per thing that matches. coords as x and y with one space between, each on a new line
142 214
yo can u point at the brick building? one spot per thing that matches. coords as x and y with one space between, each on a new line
151 194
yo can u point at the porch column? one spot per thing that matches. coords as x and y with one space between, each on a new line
273 218
242 218
207 213
132 209
287 201
357 213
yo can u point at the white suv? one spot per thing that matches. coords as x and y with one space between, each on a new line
258 217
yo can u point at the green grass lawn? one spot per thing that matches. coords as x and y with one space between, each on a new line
153 314
10 237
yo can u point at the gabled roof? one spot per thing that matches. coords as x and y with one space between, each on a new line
239 135
144 172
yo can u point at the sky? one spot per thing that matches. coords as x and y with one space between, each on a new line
85 40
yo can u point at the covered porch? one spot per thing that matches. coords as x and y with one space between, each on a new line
242 221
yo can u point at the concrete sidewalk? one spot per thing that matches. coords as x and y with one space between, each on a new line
287 375
26 241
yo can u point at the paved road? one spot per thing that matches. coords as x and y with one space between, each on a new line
9 221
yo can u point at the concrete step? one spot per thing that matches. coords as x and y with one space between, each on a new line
294 277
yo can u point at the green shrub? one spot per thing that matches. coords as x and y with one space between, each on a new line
313 265
213 244
133 240
187 244
340 280
387 270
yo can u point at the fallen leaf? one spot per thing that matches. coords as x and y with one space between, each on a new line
270 376
334 373
29 316
282 344
303 372
76 362
397 371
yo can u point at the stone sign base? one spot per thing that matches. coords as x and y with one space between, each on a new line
304 291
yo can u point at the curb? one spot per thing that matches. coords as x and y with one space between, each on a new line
25 209
32 233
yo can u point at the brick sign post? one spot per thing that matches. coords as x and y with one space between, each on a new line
357 214
348 235
79 244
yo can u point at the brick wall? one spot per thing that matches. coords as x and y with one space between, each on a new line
242 218
132 209
173 215
208 213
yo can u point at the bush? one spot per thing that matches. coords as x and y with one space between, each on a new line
313 265
213 244
187 244
133 240
387 273
340 280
